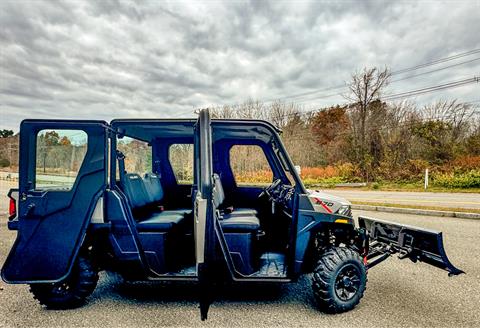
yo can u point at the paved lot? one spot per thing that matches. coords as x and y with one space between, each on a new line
5 186
399 293
442 199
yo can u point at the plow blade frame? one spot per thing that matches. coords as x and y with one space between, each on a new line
411 242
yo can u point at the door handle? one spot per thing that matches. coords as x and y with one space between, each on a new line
28 211
30 208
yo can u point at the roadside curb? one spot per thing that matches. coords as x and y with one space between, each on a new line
401 210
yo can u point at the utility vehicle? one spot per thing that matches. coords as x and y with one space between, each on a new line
160 223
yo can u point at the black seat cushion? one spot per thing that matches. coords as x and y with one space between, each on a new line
163 221
240 224
239 212
245 211
182 211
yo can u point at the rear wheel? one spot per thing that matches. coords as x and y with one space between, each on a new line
339 280
71 292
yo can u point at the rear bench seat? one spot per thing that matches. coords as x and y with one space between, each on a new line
144 196
155 193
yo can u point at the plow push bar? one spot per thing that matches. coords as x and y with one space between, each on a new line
417 244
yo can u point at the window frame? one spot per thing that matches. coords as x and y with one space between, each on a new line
57 188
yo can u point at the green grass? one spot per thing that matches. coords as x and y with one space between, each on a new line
392 186
420 207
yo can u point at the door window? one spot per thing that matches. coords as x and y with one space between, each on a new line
59 155
250 166
181 160
138 155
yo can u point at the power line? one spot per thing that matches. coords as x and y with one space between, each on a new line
431 63
444 86
405 70
406 78
435 70
434 88
407 94
435 62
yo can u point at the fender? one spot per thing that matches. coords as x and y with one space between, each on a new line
309 223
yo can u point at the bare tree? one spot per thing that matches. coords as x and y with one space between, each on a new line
457 115
397 137
222 112
365 89
280 113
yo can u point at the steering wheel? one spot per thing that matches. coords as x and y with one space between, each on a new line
267 191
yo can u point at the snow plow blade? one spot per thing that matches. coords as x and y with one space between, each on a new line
417 244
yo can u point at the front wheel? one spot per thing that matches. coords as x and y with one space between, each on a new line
71 292
339 280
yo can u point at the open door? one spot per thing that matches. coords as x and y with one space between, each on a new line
62 176
203 212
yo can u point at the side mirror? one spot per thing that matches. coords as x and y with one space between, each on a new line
298 168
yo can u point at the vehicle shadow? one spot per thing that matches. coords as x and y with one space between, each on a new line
187 292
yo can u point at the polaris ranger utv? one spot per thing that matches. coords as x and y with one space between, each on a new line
106 214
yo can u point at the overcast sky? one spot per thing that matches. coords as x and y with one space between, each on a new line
111 59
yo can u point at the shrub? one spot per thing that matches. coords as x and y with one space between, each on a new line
348 171
460 173
319 172
411 171
4 162
260 176
465 163
469 179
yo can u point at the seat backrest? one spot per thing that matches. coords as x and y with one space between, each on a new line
134 188
218 192
154 188
140 192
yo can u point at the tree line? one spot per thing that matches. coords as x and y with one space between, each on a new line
369 138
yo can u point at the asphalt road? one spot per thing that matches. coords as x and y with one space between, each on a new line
399 294
441 199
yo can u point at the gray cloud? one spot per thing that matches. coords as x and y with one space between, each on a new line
107 59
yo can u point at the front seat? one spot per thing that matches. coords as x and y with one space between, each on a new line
219 198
